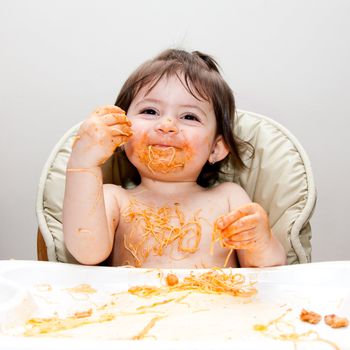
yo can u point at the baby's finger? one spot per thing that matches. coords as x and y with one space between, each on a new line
237 237
121 130
115 118
243 224
108 119
246 244
107 110
235 215
121 119
119 141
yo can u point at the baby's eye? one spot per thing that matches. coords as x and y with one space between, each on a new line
149 111
191 117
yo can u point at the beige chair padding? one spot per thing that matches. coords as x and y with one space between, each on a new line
279 178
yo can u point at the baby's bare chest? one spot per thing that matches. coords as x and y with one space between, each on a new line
158 214
174 229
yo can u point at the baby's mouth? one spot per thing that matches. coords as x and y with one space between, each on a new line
163 146
163 158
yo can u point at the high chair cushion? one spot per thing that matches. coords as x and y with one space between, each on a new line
279 178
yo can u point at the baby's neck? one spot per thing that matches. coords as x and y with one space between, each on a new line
170 188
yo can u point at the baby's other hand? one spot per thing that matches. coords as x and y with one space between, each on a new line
106 129
247 227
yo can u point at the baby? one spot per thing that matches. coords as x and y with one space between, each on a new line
178 132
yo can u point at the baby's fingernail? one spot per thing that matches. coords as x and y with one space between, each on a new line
219 223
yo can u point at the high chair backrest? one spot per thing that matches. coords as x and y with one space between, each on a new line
279 178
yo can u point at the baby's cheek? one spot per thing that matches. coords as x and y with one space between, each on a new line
129 151
135 143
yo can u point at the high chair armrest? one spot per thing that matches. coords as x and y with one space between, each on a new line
41 247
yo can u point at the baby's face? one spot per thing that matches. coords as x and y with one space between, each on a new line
174 133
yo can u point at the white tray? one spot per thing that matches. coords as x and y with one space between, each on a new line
198 322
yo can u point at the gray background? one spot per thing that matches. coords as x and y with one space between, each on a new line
288 60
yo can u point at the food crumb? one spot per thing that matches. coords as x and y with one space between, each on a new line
310 316
335 321
171 279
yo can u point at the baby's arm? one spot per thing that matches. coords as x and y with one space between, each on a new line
247 229
91 209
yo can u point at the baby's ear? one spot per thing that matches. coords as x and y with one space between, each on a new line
219 150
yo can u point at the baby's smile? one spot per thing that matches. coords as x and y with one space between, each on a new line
162 146
163 158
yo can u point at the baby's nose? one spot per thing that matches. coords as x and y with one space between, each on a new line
167 125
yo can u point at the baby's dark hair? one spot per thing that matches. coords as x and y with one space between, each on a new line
201 77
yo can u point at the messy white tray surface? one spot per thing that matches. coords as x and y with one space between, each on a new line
37 290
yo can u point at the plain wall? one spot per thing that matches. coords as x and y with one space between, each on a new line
288 60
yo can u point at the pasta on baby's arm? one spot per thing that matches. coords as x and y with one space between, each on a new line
88 232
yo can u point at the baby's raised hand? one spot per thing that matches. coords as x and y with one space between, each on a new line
106 129
244 228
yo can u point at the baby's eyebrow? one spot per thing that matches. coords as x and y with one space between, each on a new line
149 100
194 107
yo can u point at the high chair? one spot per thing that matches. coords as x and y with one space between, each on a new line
279 178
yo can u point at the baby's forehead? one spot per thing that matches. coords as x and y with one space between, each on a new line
174 88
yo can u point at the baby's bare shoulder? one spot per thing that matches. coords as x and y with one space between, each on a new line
113 189
228 188
114 192
235 194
